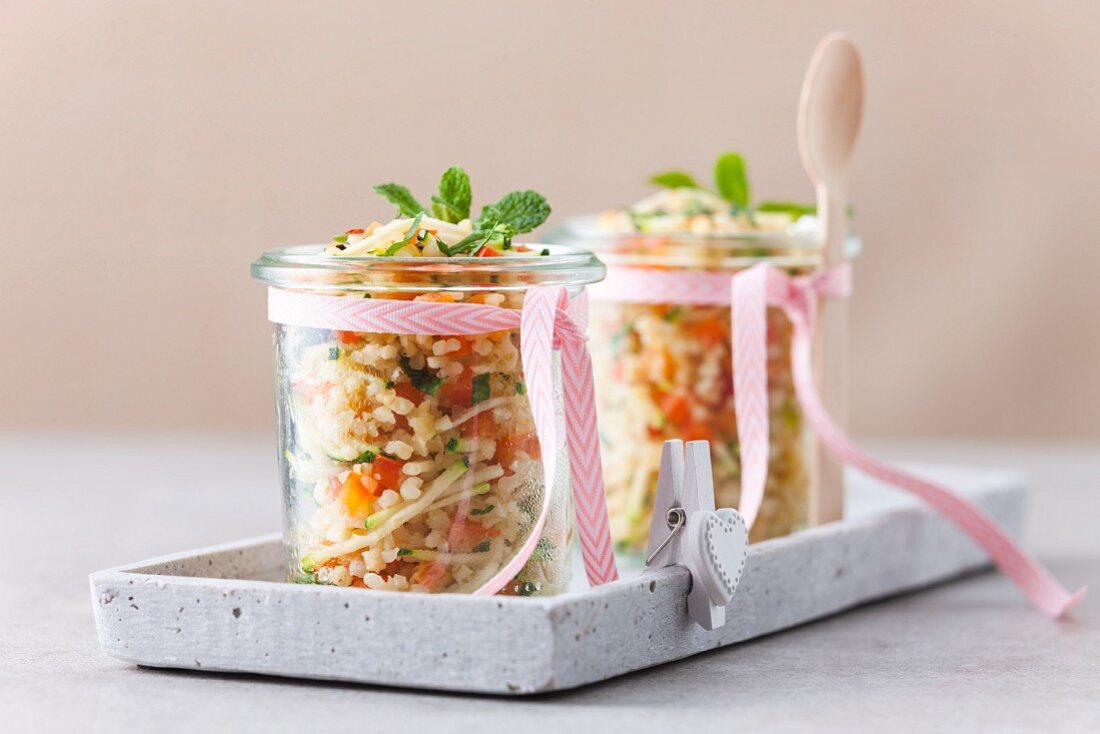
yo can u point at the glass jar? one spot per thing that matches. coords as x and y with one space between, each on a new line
410 461
663 370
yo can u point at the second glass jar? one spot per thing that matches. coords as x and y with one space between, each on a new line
663 370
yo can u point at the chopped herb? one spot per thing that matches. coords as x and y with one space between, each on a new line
404 551
390 384
481 238
480 388
466 461
443 247
333 353
367 457
307 577
309 565
482 488
367 295
396 247
545 252
422 380
340 238
482 547
521 389
482 510
673 313
452 445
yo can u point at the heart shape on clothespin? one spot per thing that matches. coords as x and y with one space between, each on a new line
718 543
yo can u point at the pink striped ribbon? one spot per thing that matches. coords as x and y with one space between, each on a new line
749 293
550 321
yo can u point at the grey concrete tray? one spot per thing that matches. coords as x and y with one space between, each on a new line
224 609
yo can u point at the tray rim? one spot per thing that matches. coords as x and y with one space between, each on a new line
555 666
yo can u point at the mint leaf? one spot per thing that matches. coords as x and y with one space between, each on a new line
731 179
453 202
787 207
520 210
399 196
674 180
442 209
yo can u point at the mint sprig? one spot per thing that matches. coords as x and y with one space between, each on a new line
453 202
401 197
519 211
731 182
674 180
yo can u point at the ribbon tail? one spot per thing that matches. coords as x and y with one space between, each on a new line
585 466
748 331
1033 579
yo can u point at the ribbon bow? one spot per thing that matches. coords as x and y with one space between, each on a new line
550 321
753 290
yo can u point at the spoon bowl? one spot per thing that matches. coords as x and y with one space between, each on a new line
830 109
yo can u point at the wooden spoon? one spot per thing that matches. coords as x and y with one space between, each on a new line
829 113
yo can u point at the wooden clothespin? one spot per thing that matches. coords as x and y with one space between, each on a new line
687 531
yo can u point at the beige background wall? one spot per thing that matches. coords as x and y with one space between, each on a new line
150 150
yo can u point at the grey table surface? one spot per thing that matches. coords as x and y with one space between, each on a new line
967 656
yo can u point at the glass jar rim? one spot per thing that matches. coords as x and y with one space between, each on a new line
303 267
733 250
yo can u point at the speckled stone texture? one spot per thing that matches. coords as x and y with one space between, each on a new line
223 609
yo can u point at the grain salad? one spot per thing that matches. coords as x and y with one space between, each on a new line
663 369
411 462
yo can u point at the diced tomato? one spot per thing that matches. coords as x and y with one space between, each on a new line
464 535
438 297
429 575
346 337
465 348
676 407
710 332
459 390
407 391
355 231
358 498
697 432
381 474
487 251
510 446
523 248
482 425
